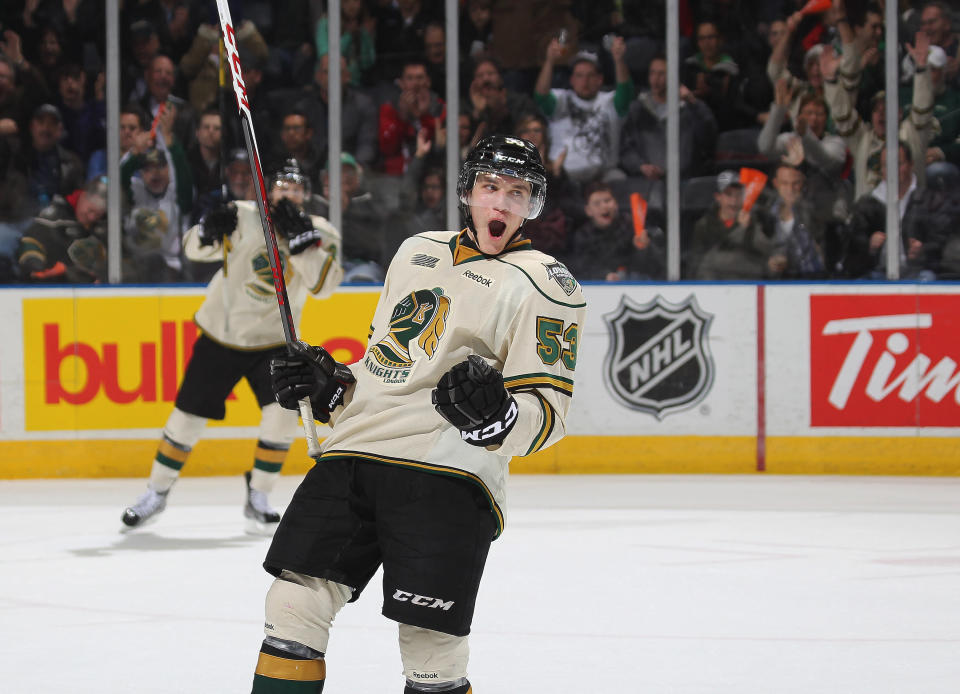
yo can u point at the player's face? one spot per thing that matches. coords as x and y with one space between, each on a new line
289 190
498 206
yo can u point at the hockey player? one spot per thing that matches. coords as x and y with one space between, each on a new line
241 331
470 361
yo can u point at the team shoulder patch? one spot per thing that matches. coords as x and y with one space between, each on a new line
424 260
559 273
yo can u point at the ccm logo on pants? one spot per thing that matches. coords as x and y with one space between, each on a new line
422 600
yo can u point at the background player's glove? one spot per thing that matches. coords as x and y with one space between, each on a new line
472 398
312 373
301 242
289 219
295 225
218 224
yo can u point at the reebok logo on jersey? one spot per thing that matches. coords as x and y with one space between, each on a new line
424 260
422 600
479 279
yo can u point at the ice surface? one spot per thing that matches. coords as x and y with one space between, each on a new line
649 584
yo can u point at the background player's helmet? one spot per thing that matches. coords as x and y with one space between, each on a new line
508 156
291 172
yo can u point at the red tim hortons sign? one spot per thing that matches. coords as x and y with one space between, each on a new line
886 360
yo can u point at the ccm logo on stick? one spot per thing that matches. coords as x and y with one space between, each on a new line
422 600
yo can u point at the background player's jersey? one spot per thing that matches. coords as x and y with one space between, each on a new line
442 301
240 308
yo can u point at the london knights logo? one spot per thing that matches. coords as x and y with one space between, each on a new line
262 287
420 316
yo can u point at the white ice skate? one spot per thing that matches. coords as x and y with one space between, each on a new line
144 511
261 518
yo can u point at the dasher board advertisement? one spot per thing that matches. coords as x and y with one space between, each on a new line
684 377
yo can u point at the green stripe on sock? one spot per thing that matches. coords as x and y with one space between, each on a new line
267 685
169 462
265 466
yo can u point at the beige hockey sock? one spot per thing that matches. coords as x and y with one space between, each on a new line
162 477
263 481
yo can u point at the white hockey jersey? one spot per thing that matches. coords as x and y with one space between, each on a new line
240 307
442 301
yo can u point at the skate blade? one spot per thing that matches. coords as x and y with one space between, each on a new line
252 526
127 529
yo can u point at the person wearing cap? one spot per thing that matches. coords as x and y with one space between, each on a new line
728 241
865 138
585 122
47 167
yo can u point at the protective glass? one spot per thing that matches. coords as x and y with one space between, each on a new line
522 196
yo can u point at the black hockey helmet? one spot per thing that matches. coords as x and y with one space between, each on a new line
507 156
290 172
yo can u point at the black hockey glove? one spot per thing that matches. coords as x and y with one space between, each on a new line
310 372
295 225
472 398
218 224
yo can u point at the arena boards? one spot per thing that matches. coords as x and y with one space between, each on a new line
670 378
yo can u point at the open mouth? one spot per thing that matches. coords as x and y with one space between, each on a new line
496 228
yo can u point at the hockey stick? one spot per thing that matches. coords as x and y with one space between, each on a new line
269 235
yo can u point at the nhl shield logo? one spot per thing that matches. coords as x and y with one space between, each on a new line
659 359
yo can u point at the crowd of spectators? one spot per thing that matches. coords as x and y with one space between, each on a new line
781 151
